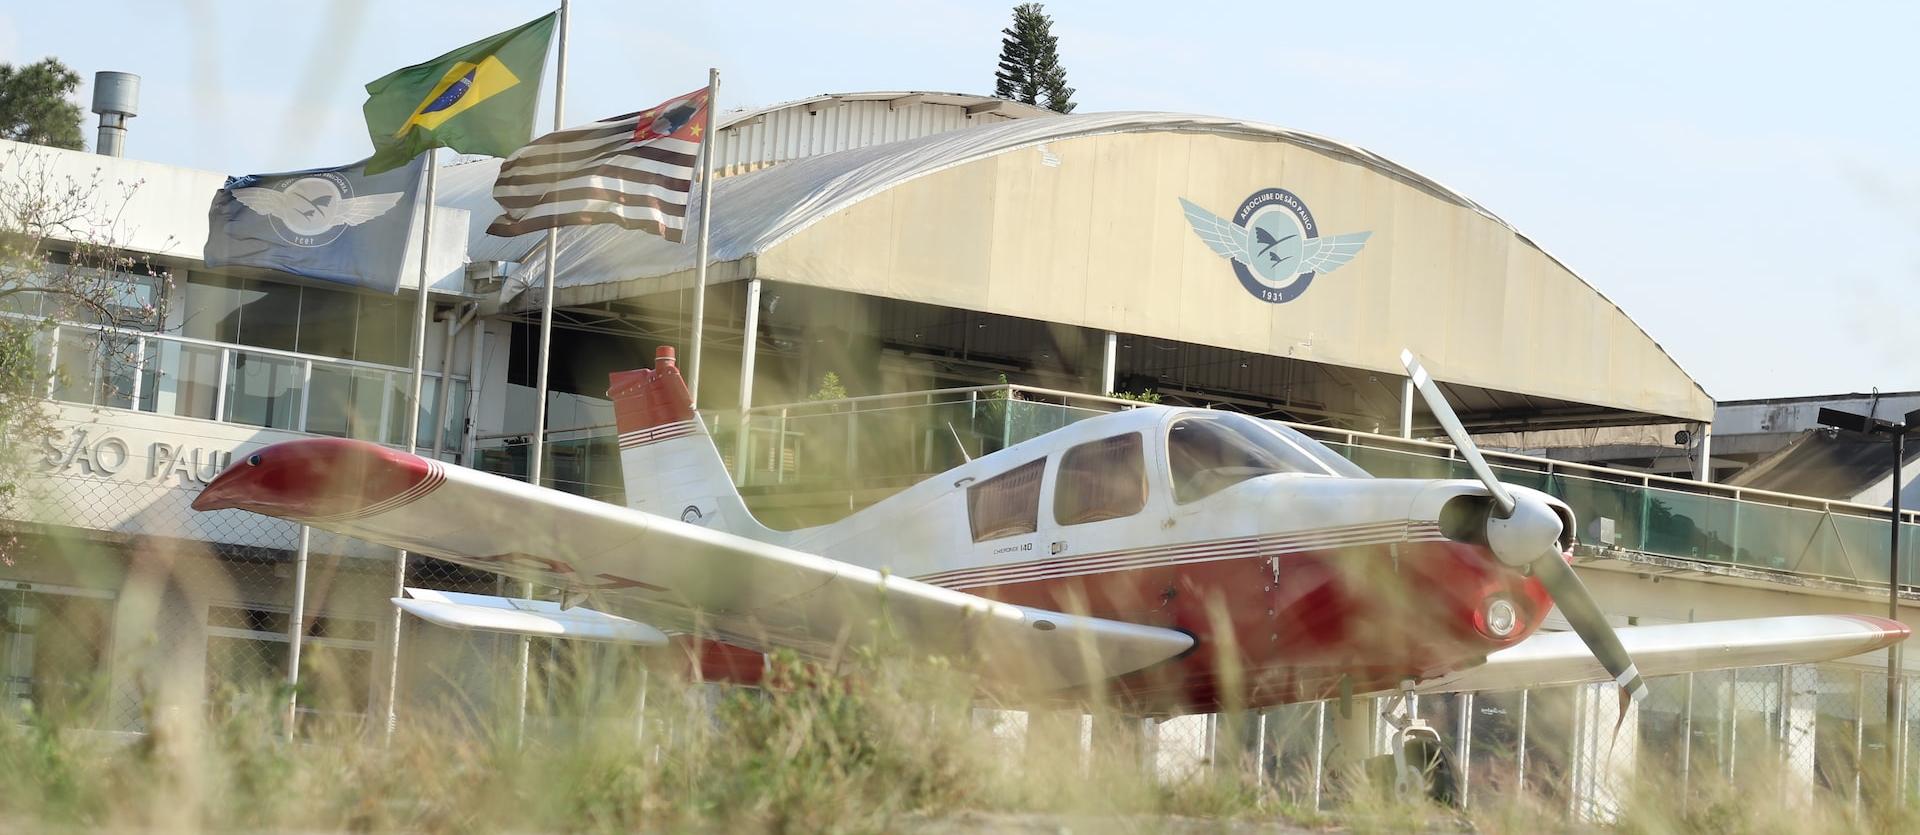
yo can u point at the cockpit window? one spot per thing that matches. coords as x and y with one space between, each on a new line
1209 454
1339 464
1007 504
1104 479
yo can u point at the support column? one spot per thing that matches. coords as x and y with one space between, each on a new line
1406 408
1109 363
1705 465
749 348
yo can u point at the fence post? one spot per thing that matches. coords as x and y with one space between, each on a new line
1319 750
1520 761
1859 735
1686 745
296 629
1464 746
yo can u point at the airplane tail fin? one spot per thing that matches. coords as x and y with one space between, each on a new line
670 463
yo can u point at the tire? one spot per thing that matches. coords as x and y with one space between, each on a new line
1438 770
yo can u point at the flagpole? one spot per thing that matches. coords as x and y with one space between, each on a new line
422 310
700 252
537 455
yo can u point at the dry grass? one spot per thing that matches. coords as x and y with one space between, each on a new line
878 746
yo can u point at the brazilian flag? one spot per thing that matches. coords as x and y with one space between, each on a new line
477 99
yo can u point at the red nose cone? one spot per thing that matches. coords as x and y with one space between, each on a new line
314 478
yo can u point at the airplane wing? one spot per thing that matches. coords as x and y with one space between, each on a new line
1551 659
674 575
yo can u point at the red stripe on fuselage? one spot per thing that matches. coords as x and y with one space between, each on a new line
1288 627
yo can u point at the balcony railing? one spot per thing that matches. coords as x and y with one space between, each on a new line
867 446
167 374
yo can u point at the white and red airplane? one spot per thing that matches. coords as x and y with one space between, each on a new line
1175 560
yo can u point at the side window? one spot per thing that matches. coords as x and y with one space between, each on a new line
1104 479
1007 504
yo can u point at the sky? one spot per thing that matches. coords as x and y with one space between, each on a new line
1740 178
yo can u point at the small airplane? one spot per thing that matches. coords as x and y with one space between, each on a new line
1169 560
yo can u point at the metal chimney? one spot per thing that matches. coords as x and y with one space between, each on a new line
116 97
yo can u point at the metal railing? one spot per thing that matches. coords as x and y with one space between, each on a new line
163 373
876 443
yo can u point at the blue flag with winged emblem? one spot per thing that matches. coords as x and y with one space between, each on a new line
334 224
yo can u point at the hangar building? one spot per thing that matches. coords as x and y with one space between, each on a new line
908 243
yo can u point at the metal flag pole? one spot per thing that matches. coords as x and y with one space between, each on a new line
537 453
421 312
700 249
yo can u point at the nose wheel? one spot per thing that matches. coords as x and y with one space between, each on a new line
1422 766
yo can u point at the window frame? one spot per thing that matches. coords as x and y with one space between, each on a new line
1062 482
975 489
1320 468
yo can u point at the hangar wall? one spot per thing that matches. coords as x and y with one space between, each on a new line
1089 231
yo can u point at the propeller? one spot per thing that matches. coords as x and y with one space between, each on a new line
1524 532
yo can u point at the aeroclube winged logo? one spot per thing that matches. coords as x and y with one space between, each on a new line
1275 246
312 211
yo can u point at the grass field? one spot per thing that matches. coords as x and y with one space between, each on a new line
887 746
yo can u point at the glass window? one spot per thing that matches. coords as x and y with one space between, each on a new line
270 316
1007 504
189 379
385 335
328 320
1104 479
263 390
1335 462
1210 454
213 308
345 403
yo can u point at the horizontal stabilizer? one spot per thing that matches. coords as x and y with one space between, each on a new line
1551 659
535 618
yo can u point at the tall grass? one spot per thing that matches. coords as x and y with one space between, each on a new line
876 743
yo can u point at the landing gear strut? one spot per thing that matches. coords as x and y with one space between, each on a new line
1421 764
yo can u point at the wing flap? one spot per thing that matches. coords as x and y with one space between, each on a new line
1551 659
536 618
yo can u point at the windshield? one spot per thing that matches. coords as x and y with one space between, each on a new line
1209 454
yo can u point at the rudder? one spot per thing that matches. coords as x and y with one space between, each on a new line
669 462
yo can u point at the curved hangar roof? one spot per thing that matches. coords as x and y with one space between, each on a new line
1084 220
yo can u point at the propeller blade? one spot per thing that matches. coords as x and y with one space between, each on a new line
1437 403
1584 615
1571 595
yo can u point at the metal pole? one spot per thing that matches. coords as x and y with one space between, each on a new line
1520 761
1109 363
700 246
1464 746
1894 743
1686 743
1406 408
296 628
749 347
413 440
455 322
537 454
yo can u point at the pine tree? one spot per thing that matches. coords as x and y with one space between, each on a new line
1030 62
34 107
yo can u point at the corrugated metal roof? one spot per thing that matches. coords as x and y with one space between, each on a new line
756 138
758 210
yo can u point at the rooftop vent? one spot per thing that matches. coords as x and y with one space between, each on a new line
116 97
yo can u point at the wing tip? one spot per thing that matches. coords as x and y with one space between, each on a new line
1891 631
